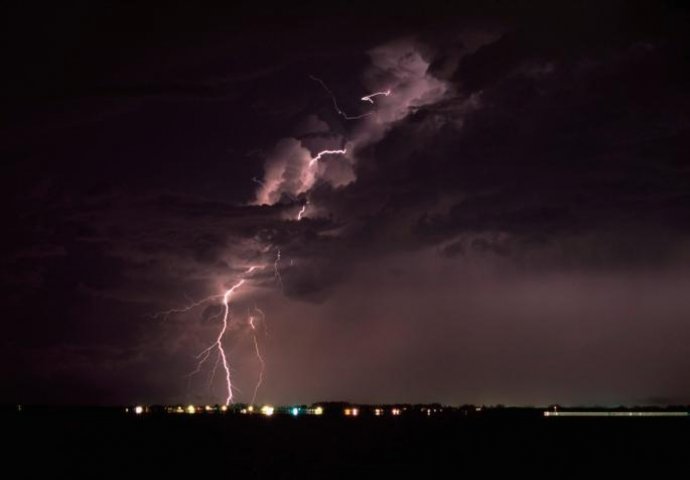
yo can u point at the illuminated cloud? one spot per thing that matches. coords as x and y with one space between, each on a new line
401 74
287 172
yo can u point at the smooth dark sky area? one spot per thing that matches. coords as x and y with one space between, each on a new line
509 224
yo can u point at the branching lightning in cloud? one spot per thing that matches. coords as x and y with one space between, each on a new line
335 102
368 98
326 152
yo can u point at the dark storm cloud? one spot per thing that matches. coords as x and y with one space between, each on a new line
541 178
550 134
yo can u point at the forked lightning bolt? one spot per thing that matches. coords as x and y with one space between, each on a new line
227 297
218 343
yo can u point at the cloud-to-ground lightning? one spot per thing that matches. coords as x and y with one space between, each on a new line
217 345
262 365
202 357
291 173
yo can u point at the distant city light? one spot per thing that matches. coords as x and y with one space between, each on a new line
609 413
386 410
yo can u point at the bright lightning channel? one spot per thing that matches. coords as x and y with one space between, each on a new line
222 358
368 98
218 343
300 214
252 324
326 152
312 163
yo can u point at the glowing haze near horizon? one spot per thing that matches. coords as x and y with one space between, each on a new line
499 214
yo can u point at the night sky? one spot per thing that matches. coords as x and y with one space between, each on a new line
511 224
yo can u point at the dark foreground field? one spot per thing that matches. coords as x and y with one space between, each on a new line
104 444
